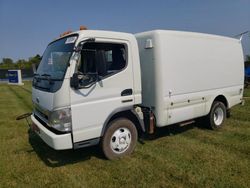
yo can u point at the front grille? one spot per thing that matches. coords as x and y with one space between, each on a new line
41 114
40 120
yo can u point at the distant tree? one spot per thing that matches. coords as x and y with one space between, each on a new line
21 64
35 60
248 58
247 62
7 63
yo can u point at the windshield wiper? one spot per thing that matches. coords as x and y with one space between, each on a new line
43 75
51 80
46 75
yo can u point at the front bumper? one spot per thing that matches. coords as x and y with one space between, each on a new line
58 142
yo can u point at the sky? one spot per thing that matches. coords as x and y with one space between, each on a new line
27 26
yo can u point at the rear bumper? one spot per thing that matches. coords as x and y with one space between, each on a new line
58 142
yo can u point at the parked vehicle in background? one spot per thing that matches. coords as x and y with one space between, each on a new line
247 76
108 88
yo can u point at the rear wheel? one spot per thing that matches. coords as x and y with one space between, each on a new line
119 139
217 115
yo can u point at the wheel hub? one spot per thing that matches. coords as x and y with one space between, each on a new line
120 140
218 116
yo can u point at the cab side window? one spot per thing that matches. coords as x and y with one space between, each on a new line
102 58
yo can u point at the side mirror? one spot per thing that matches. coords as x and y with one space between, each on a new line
74 81
80 81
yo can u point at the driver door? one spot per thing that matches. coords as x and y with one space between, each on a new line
113 89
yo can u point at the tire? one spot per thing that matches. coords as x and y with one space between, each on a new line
119 139
217 115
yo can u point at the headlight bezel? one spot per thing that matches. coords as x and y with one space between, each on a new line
61 120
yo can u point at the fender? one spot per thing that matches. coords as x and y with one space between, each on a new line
221 97
118 112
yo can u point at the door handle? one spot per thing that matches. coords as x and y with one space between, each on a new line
127 92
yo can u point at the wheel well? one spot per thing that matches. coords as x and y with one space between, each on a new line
222 99
129 115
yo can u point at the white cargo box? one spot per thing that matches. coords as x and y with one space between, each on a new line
182 71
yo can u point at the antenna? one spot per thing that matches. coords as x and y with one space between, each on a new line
241 35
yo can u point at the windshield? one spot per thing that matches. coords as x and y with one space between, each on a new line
56 58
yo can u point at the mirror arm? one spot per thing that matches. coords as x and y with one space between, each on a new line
86 87
74 82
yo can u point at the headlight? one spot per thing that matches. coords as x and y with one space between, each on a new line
61 120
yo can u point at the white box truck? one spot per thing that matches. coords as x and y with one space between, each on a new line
101 87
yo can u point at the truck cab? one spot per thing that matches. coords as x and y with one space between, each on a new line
84 82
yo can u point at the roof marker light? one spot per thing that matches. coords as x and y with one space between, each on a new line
82 27
65 33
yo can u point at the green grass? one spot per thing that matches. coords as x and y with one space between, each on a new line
247 92
178 157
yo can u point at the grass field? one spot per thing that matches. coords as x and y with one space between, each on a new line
177 157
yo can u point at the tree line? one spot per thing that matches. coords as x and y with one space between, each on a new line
247 62
8 63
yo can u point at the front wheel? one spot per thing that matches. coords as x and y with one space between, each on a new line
119 139
217 115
